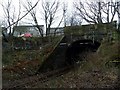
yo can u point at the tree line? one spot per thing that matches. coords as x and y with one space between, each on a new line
56 11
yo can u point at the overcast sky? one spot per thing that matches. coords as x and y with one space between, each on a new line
16 4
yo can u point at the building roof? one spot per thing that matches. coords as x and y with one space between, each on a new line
29 26
56 27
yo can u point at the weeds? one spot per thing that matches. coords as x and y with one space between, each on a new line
93 73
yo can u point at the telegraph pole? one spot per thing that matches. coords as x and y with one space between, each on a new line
64 13
118 12
118 3
99 12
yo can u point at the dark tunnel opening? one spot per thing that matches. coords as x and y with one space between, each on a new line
65 55
78 48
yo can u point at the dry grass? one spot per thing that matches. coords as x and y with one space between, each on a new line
21 64
93 73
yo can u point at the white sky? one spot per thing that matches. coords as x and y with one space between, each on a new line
16 4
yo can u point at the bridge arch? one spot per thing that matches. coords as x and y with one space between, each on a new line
79 47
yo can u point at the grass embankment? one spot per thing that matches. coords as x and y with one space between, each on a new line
96 72
19 64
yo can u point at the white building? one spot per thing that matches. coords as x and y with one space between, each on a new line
19 30
59 31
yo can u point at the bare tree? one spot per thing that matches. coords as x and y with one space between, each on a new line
73 20
118 12
96 12
49 12
11 17
33 14
64 10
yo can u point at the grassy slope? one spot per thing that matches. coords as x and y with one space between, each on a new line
19 64
94 73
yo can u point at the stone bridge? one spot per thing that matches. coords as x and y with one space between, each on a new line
94 36
94 32
73 47
79 44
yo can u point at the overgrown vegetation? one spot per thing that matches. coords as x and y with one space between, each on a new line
22 63
99 69
94 72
